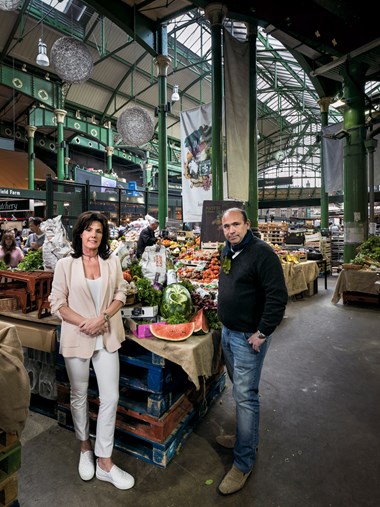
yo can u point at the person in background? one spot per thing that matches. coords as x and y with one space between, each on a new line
36 238
11 254
252 298
18 237
147 237
88 291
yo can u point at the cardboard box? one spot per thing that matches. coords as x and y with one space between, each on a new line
140 330
139 311
33 335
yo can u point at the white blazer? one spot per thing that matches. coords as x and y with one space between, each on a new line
69 288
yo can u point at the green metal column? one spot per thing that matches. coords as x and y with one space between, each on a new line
31 129
67 160
60 115
109 148
324 103
215 13
355 179
252 206
162 62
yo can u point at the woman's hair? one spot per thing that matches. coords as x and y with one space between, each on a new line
8 249
84 221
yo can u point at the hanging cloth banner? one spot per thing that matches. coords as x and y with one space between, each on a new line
332 150
236 70
196 140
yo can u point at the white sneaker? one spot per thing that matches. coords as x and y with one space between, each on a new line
86 466
116 476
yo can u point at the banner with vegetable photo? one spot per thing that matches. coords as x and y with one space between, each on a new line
196 141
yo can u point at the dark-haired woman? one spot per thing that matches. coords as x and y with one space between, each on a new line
88 292
11 254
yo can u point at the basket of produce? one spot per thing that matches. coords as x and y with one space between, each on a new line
131 299
8 304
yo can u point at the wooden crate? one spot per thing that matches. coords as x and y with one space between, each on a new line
10 461
7 441
9 491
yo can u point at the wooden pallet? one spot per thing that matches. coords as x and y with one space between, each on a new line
7 441
361 297
10 461
159 453
43 406
9 491
145 426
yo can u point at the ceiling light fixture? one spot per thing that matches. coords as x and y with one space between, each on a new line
175 94
42 57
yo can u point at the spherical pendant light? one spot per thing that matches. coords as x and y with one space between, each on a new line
72 60
135 126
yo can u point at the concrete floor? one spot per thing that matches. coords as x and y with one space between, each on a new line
320 429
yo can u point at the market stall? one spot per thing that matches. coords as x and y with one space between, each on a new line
299 277
357 285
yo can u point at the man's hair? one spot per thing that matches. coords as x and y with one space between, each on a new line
36 220
242 211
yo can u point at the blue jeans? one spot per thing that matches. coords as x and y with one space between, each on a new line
244 367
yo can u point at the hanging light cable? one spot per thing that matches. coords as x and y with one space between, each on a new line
42 57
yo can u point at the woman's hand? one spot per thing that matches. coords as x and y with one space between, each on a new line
93 327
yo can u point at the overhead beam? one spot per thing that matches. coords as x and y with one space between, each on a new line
139 27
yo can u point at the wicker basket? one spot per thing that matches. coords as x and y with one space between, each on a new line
355 267
8 304
131 299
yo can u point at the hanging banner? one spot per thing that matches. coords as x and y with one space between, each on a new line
196 140
332 152
236 71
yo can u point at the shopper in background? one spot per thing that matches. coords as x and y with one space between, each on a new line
37 237
10 253
251 303
88 292
147 237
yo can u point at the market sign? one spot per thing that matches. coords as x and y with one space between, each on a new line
275 182
16 205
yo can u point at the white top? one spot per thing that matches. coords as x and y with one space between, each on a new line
94 287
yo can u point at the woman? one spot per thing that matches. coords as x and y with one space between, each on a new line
88 292
11 254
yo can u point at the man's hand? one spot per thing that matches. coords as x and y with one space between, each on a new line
255 341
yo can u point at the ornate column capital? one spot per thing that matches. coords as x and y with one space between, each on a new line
162 62
30 129
324 103
110 150
216 13
60 114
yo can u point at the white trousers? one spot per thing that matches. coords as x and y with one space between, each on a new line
107 370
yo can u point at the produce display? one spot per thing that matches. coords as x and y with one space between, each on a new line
176 303
172 332
369 253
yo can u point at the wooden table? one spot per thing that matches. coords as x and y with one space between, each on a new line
357 282
31 288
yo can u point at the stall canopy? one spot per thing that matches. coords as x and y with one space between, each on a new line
14 169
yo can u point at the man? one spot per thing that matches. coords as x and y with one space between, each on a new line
251 304
37 237
147 237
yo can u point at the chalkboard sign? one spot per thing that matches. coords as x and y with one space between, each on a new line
212 211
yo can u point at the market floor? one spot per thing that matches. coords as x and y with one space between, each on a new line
320 429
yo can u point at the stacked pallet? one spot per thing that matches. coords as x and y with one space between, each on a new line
273 232
158 406
10 461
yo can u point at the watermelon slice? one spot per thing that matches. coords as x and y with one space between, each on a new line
200 322
172 332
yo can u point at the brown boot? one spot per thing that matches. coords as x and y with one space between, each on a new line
233 481
227 441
